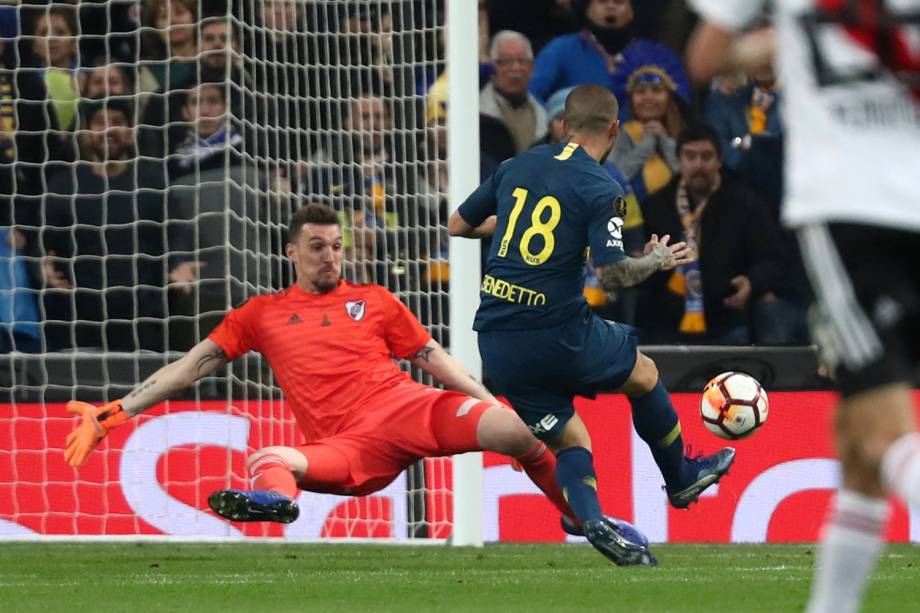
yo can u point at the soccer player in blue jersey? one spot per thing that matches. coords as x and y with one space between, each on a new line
539 341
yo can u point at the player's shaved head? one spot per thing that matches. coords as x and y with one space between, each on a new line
319 214
590 108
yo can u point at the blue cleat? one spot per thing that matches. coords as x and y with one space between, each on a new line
573 527
708 470
619 541
254 505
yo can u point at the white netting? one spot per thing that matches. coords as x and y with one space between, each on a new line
146 143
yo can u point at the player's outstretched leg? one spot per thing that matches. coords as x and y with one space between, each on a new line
657 424
274 472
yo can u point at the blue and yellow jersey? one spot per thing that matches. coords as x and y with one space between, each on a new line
552 204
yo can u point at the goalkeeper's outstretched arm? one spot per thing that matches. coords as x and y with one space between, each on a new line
203 359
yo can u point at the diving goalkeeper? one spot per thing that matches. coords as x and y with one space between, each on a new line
329 343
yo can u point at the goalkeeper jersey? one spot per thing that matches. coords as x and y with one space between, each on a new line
331 353
850 73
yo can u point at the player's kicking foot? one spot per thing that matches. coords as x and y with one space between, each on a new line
254 505
708 470
618 541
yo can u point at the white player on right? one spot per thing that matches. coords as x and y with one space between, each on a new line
851 82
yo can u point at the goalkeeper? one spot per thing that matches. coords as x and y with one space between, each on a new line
329 343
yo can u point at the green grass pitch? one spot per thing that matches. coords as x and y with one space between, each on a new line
79 578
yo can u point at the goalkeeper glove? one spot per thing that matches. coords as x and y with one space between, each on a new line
96 423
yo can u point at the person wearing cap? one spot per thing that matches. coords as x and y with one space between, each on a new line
105 241
655 91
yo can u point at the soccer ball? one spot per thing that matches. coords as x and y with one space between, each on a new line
734 405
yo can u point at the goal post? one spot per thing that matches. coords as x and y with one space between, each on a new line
463 164
228 115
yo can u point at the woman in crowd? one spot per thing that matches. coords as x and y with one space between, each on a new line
654 89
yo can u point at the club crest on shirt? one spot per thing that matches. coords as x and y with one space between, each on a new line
355 309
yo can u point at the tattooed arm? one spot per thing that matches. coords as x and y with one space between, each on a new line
203 359
449 371
658 255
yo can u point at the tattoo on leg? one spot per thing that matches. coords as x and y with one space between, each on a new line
423 354
205 362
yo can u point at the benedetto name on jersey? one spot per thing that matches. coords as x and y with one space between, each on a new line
512 293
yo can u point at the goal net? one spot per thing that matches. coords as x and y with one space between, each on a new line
152 155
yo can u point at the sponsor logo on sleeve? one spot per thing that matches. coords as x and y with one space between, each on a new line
615 230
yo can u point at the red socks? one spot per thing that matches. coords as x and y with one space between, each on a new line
272 472
540 465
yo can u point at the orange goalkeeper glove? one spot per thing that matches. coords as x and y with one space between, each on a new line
96 423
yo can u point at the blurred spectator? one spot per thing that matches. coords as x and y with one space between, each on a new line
169 51
25 144
106 244
668 22
655 88
19 317
108 30
538 20
170 47
739 267
220 49
106 79
360 163
54 47
211 140
506 98
297 70
590 55
747 118
496 144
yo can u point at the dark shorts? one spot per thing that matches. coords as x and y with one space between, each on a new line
541 371
866 315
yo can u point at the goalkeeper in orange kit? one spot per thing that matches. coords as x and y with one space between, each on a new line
330 344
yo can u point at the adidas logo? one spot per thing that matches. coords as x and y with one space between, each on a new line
294 319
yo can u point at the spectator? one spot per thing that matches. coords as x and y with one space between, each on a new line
210 139
360 163
106 242
740 264
656 90
24 147
747 119
538 20
297 71
105 79
108 30
220 50
19 317
496 144
54 47
592 55
506 98
171 46
169 50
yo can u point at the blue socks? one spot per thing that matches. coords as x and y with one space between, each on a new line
578 481
656 423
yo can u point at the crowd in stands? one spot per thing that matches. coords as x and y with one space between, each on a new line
152 150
